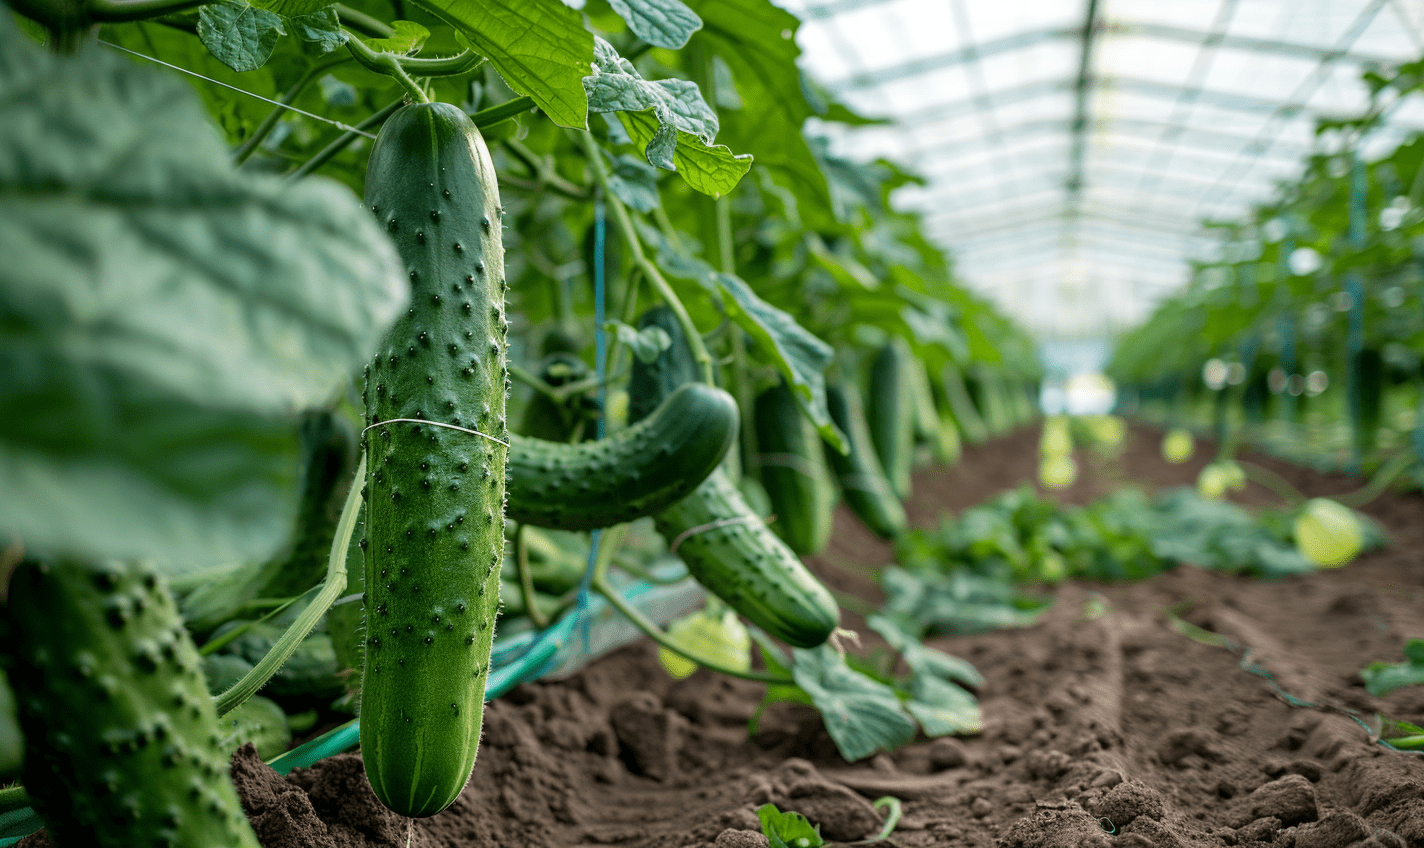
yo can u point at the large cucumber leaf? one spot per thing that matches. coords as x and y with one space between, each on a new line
757 42
163 316
661 23
668 119
539 47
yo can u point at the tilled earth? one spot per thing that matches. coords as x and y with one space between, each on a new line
1104 725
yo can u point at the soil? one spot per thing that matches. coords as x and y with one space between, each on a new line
1104 725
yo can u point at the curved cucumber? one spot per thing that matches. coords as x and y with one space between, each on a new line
863 483
731 551
725 544
890 414
434 495
122 741
793 471
636 472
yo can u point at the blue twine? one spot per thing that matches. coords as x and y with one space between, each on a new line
600 369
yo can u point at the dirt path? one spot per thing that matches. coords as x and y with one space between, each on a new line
1104 726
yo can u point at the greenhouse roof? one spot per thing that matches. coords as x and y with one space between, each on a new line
1073 148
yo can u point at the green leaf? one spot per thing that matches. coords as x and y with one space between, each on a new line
409 37
296 8
788 830
800 356
163 316
320 28
635 182
668 119
757 41
943 708
1382 678
862 715
923 661
539 47
646 344
661 23
240 36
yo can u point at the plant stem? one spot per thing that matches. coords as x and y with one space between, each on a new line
250 145
600 585
502 112
331 589
640 259
388 64
341 142
123 11
1273 481
367 25
526 580
544 172
1377 485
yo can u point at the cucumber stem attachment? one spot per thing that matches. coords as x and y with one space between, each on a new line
526 580
331 589
388 64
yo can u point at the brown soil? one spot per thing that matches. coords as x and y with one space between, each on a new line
1106 729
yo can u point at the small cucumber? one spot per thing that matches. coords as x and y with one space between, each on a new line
793 471
863 483
890 413
122 741
434 537
634 473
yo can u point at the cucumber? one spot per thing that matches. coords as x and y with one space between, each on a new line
122 741
931 426
724 543
651 382
863 484
961 406
890 414
634 473
434 536
793 471
730 550
1367 398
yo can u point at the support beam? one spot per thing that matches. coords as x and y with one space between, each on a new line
1082 93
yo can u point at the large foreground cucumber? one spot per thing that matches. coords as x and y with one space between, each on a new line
725 544
863 484
636 472
890 413
122 741
434 494
793 471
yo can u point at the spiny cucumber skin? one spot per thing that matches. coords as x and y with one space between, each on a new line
645 468
122 740
863 483
738 558
435 496
890 415
793 471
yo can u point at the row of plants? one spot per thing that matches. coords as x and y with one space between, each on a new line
279 439
1305 335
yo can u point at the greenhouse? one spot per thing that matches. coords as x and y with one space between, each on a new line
712 423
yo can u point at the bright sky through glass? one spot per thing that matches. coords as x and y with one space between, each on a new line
1072 193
